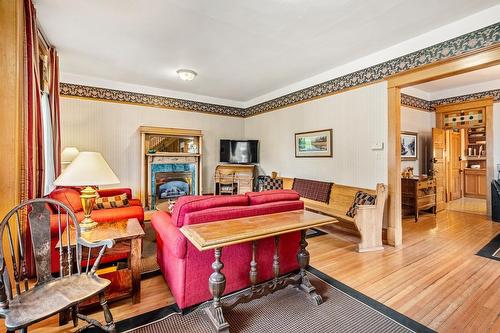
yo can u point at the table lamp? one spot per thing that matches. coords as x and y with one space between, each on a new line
88 169
67 156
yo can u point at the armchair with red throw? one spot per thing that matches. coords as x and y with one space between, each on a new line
71 198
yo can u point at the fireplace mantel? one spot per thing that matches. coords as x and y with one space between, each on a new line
184 157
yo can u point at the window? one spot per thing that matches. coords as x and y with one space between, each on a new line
48 146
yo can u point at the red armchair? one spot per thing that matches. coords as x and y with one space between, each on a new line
186 270
71 197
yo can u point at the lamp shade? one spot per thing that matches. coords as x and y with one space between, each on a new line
88 169
69 154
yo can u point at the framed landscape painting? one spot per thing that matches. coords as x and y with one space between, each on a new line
409 146
314 144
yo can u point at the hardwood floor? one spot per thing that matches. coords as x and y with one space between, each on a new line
434 278
468 205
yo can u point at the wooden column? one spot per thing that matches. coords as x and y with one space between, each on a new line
11 94
394 223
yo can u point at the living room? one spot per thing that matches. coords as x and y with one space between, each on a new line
194 143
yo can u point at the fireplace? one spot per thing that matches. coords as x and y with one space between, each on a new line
172 185
170 178
171 165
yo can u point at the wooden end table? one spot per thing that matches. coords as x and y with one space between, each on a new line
128 232
216 235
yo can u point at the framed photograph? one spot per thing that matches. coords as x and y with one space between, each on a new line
409 146
314 144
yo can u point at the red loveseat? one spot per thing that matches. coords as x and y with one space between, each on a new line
186 270
71 197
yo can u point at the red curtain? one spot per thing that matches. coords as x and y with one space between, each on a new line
54 108
33 131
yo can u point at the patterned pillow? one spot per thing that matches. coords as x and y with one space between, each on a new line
267 183
361 198
112 202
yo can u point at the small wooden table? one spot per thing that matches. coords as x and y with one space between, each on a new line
216 235
125 231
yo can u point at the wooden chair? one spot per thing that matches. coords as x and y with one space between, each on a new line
50 295
226 180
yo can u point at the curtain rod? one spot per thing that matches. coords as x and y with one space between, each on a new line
43 36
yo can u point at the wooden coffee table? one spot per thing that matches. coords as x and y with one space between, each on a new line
127 234
217 235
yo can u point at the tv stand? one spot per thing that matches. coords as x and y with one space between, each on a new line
234 178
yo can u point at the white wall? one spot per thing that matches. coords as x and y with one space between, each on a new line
496 134
421 122
113 130
358 119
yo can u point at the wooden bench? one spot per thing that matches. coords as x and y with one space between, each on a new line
368 220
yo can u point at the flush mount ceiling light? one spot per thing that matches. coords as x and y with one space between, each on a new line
186 74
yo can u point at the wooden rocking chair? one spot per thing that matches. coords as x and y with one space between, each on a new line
50 295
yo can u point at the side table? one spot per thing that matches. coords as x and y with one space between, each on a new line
128 232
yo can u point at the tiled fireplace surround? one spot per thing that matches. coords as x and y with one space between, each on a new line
170 177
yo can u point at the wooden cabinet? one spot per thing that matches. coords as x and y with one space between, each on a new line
475 183
234 178
417 195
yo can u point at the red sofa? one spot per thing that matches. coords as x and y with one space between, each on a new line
186 270
71 197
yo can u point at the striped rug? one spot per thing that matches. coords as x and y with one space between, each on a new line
343 310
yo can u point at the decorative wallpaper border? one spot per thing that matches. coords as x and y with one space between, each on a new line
495 93
77 90
422 104
475 40
415 102
472 41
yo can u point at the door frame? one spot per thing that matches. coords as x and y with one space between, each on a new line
461 64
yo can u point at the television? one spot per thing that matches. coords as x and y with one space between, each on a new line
239 151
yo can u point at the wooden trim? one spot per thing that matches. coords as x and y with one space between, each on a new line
170 131
461 64
394 222
11 104
483 102
458 65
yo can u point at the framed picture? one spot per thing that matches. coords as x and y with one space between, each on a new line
409 146
314 144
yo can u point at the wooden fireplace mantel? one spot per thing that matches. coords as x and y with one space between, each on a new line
148 158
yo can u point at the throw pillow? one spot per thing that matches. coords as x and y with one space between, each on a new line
361 198
112 202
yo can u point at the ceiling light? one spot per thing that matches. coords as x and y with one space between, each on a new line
186 74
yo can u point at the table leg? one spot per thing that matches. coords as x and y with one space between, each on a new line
276 259
135 268
303 260
216 284
253 267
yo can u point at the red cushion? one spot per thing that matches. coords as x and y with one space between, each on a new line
258 198
68 196
227 213
115 214
188 204
110 192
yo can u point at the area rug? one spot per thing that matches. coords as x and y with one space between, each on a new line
149 264
492 249
344 310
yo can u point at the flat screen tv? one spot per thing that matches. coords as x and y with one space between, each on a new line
239 151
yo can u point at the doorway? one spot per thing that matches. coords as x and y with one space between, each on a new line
459 65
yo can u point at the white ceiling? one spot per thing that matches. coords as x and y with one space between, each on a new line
466 79
240 49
